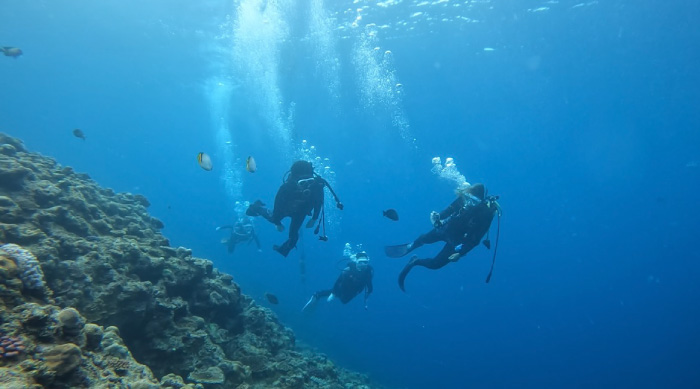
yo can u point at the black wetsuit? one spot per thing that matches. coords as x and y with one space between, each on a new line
467 222
297 198
350 283
242 231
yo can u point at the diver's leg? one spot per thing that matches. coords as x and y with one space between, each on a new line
323 293
400 250
405 270
284 204
294 226
439 261
434 235
345 295
258 209
314 298
340 288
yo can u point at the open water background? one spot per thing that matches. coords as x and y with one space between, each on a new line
582 116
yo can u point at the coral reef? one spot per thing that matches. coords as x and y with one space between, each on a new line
10 347
29 269
103 255
44 346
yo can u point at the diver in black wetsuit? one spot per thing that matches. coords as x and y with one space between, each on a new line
299 196
355 278
241 231
461 226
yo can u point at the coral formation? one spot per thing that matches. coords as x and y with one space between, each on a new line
29 269
10 347
43 346
70 321
63 358
103 255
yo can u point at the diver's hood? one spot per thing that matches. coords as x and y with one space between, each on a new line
302 169
477 190
362 256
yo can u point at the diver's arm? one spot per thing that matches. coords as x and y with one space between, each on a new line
452 208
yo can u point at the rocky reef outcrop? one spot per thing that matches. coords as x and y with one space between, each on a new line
101 253
42 345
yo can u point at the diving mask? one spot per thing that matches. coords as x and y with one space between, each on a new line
361 260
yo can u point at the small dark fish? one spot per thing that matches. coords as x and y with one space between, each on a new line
391 214
78 133
11 51
272 298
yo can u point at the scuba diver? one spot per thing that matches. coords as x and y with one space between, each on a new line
300 194
356 277
241 231
461 226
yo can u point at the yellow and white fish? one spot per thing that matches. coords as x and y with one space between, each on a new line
204 161
250 165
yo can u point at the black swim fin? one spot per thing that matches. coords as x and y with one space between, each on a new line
255 209
487 243
310 304
397 251
405 270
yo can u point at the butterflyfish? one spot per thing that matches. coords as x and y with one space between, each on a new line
204 161
250 165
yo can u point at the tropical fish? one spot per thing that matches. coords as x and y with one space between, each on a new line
391 214
204 161
250 165
78 133
272 298
11 51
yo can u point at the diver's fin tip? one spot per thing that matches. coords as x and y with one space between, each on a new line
397 251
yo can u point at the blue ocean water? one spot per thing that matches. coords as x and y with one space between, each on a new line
582 116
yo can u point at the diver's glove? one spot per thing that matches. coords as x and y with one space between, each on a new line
435 219
456 256
339 205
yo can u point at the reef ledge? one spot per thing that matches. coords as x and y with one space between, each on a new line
101 299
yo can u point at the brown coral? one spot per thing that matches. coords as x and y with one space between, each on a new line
120 366
63 359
